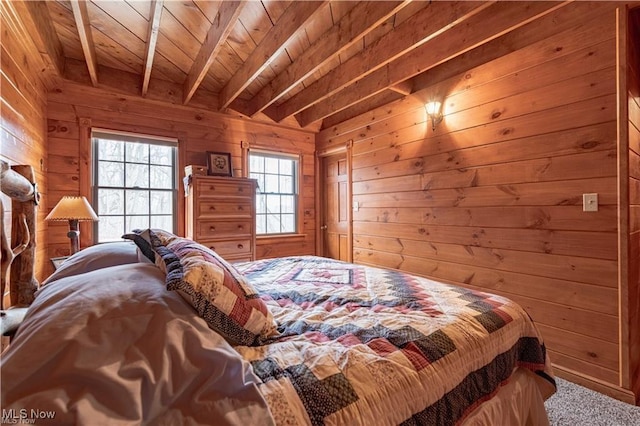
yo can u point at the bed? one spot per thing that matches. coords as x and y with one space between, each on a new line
161 330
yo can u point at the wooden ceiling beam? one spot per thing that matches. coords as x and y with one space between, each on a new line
403 87
433 80
356 24
426 24
40 25
81 16
483 27
290 23
374 107
217 35
155 13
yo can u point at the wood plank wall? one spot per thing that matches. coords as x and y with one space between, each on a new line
493 198
634 199
23 117
72 109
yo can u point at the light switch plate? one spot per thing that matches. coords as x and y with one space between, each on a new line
589 202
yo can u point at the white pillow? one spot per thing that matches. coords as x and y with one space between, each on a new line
96 257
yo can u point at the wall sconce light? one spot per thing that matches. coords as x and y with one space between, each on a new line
434 112
73 209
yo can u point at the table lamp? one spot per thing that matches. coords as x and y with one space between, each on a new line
73 209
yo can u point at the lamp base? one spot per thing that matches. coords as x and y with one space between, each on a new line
74 236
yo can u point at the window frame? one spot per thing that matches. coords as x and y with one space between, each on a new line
114 135
297 175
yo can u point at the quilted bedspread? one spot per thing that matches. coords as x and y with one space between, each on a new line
362 345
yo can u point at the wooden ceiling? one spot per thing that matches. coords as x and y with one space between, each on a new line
305 63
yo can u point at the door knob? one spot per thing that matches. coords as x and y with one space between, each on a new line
323 227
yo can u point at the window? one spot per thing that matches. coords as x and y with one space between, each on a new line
277 197
134 184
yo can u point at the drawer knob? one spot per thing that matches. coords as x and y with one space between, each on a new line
240 226
212 188
240 208
212 207
212 248
240 246
212 228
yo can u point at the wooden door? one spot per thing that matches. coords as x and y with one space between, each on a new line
336 211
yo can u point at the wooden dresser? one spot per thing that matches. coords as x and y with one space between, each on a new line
220 214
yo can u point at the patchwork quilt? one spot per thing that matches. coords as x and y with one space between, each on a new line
362 345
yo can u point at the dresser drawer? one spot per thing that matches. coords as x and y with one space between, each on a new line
238 258
206 189
217 208
233 247
207 229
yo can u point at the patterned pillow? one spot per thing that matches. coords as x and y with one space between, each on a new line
143 241
219 293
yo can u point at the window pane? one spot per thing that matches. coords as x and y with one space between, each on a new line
271 183
273 223
137 176
286 167
137 202
161 202
110 174
261 224
256 164
160 154
287 204
273 203
161 177
288 223
110 201
261 204
286 185
110 150
271 165
137 152
137 222
111 228
162 222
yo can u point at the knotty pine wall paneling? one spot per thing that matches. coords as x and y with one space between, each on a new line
23 119
197 131
633 292
492 199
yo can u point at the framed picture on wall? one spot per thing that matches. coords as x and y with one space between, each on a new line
218 163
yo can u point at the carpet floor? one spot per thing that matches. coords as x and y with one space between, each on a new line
575 405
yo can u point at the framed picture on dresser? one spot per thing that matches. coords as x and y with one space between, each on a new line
218 163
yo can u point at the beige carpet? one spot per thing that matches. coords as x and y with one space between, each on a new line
575 405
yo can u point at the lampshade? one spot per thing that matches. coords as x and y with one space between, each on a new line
432 107
434 111
72 208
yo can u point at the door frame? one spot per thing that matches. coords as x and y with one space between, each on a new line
320 155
